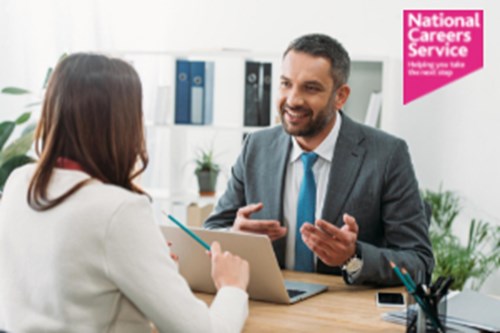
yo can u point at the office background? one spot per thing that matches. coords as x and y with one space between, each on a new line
452 133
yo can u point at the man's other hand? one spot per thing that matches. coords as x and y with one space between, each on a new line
333 245
243 222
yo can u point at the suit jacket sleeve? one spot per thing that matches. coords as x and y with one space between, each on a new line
234 196
405 226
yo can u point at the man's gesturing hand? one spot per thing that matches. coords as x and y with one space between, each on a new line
243 222
333 245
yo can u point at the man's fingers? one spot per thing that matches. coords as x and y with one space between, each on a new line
327 228
351 223
323 255
331 244
332 231
344 234
337 242
316 238
249 209
271 228
278 233
328 251
262 226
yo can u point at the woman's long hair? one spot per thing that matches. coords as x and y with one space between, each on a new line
92 114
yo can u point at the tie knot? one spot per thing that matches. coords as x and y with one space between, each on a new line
308 159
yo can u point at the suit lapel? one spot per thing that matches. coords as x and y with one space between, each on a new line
279 156
347 160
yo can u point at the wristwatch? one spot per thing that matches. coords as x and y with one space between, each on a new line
353 266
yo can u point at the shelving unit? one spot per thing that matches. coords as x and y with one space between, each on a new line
368 75
172 147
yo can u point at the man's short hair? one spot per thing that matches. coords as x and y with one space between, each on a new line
327 47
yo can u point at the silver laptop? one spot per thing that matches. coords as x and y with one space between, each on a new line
266 280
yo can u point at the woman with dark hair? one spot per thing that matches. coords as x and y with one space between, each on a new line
79 247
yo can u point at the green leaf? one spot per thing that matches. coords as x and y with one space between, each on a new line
205 161
50 70
18 147
6 129
3 178
29 129
15 91
473 262
12 164
471 242
23 118
64 55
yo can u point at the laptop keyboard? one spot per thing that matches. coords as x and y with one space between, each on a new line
294 292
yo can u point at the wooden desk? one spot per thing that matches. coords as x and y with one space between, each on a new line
342 308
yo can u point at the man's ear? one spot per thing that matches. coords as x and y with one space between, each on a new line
341 96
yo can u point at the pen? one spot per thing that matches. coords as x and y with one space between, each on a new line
420 290
189 232
412 290
403 279
408 278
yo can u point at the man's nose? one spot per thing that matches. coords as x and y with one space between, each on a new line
294 98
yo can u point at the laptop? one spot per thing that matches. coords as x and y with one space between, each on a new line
266 280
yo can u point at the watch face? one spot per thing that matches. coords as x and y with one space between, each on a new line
354 265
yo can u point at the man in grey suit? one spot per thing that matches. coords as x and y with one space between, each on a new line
360 189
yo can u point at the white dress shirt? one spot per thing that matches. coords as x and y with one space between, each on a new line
293 178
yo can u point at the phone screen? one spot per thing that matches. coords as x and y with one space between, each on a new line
395 299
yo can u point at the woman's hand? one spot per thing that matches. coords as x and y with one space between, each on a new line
228 269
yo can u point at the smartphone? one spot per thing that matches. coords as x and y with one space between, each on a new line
390 299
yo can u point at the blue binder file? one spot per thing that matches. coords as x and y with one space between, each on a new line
183 92
209 93
197 91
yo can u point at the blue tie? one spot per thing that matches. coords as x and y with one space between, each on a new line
306 207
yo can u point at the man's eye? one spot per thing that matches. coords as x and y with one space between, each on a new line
312 88
285 84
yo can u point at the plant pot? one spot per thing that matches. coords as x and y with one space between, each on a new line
207 181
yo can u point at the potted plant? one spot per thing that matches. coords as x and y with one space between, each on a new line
474 261
206 171
14 155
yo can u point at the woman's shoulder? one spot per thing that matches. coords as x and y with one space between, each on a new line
23 171
94 192
110 192
18 177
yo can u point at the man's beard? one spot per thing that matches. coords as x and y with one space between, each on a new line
313 127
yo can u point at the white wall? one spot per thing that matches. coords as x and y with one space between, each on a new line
451 132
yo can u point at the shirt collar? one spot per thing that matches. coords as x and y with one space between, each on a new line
325 148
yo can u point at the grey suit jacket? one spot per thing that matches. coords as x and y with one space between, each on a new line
371 178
